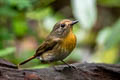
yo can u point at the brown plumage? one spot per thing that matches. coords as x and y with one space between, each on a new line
58 45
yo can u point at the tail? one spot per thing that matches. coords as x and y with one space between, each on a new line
29 59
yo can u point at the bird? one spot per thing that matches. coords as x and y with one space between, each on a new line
58 44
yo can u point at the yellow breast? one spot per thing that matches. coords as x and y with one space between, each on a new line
69 42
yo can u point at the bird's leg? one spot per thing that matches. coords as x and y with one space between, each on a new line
65 63
70 66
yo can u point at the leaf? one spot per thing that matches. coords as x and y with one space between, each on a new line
21 4
39 14
111 55
114 37
4 34
102 35
7 11
6 51
85 12
110 3
20 25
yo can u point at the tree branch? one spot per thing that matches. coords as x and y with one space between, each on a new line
85 71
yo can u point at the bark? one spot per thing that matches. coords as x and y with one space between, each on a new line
84 71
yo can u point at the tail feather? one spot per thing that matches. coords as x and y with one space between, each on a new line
29 59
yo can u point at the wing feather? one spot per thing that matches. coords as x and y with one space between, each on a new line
46 46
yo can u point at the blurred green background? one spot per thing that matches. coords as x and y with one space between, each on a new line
24 24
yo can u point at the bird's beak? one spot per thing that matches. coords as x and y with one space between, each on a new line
74 22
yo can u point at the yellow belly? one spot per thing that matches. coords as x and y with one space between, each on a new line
69 42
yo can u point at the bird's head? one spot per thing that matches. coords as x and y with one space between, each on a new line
62 28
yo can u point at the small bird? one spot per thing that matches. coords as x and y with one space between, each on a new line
58 45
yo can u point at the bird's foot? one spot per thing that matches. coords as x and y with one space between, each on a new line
71 67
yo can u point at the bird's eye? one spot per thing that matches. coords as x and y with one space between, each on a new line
62 25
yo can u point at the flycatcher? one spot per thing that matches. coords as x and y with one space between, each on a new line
58 45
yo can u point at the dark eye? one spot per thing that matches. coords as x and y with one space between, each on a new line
62 25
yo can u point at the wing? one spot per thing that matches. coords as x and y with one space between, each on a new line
46 46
